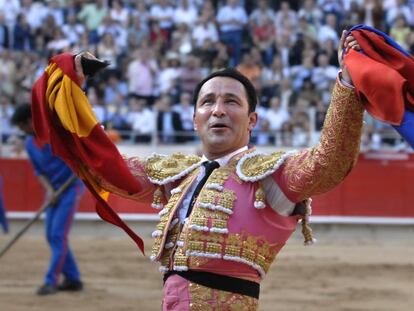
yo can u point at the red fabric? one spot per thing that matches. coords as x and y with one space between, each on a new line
383 78
96 151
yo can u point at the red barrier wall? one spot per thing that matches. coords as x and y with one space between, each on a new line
379 185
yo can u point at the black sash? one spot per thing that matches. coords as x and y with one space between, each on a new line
220 282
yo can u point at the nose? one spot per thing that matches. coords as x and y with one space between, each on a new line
219 108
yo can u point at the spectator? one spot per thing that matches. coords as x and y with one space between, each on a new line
92 15
115 91
328 30
272 77
142 11
159 37
373 14
137 35
260 13
22 34
264 37
323 73
181 38
400 8
232 19
141 119
34 12
301 72
72 29
260 133
306 29
4 33
163 14
276 116
311 13
96 98
108 50
249 68
185 110
185 14
8 70
169 126
6 112
59 42
141 73
205 31
119 33
10 9
169 73
56 11
285 16
119 14
400 32
190 74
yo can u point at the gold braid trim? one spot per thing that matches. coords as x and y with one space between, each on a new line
203 298
323 167
165 169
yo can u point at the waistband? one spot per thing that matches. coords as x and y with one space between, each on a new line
220 282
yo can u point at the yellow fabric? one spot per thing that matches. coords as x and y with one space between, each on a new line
70 103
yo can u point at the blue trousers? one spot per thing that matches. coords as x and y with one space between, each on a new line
57 224
233 40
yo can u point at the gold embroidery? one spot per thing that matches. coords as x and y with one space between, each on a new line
203 298
260 197
219 223
318 170
254 250
260 164
227 198
159 168
197 261
199 221
219 176
167 217
213 248
157 200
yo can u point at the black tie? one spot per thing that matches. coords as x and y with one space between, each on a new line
209 166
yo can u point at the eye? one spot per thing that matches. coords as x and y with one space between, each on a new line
231 102
207 102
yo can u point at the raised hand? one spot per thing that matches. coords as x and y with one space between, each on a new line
346 44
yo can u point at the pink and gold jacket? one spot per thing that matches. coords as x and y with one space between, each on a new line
238 224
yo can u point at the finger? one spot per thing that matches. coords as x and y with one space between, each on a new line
342 40
354 45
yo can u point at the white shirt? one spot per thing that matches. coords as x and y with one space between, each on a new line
228 13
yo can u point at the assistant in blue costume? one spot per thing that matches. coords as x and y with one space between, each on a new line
53 173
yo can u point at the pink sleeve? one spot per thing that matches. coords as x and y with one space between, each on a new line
319 169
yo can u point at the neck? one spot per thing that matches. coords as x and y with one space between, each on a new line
219 155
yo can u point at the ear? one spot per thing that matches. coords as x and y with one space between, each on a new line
194 122
252 120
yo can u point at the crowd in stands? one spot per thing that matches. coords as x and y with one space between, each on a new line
160 49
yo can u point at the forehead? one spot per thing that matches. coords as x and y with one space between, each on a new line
222 86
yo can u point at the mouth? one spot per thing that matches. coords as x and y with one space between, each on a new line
218 126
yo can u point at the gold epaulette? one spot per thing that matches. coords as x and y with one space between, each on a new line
162 169
255 166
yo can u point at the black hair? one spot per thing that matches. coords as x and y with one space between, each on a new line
234 74
22 114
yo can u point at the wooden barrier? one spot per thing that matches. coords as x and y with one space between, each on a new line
380 185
